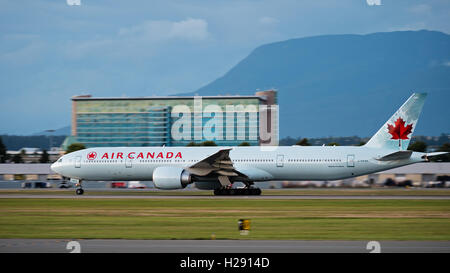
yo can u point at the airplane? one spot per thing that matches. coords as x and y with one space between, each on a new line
217 168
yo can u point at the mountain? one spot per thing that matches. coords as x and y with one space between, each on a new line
341 85
64 131
15 143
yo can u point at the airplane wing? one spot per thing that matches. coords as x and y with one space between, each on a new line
218 163
396 156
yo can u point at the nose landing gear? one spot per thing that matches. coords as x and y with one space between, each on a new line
79 190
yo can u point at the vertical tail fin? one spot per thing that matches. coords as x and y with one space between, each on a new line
397 131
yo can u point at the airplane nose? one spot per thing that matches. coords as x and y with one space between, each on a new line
54 167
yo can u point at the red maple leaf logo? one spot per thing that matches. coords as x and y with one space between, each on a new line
91 155
399 130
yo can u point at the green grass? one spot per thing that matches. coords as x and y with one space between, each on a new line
200 218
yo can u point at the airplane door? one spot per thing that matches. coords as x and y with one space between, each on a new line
128 163
280 160
78 162
350 160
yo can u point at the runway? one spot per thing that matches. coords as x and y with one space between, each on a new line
218 246
305 197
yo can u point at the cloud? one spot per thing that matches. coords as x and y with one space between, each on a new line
189 29
75 49
141 40
193 29
266 20
27 49
408 27
420 9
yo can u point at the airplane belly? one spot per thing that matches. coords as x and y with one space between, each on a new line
115 172
298 172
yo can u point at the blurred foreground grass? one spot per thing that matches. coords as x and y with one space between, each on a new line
200 218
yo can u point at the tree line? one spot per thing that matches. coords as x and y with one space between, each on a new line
430 141
417 146
14 142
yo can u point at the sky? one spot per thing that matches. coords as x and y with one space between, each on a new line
51 50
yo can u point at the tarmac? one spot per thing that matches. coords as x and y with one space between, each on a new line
218 246
124 196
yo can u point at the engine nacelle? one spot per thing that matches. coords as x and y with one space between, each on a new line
171 178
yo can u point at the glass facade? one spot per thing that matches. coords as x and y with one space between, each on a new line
168 121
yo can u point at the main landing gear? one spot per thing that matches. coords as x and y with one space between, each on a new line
241 191
227 188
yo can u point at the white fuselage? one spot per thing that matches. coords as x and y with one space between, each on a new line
267 163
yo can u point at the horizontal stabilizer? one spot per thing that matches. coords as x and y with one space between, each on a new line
436 153
396 156
433 154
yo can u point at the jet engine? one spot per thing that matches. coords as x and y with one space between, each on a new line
171 178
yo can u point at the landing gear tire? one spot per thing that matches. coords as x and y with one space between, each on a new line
255 191
79 191
245 191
